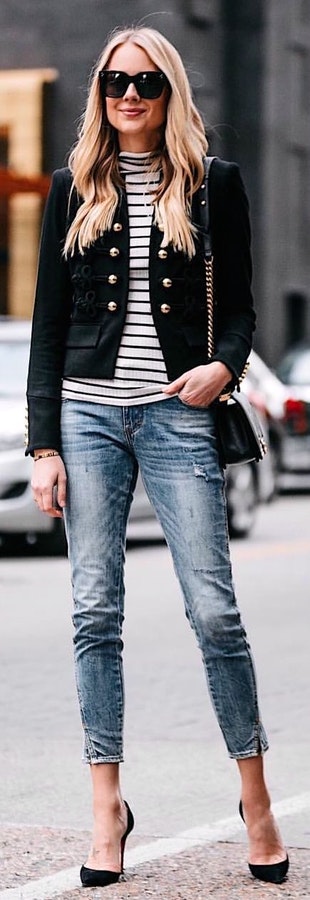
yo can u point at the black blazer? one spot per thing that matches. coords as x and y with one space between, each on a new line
80 304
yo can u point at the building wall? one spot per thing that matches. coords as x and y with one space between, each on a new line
69 37
243 40
285 186
266 108
21 106
248 64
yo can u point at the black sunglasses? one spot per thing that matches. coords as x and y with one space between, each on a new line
149 85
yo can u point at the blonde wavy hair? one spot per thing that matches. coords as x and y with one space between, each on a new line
94 159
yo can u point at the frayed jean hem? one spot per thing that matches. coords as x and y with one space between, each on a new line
107 759
259 752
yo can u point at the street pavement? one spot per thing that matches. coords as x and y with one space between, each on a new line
188 841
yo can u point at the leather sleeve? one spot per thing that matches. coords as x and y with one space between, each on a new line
231 239
50 321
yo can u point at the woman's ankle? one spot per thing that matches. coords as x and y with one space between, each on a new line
110 803
258 801
107 797
254 791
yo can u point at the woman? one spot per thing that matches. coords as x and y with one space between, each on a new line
119 379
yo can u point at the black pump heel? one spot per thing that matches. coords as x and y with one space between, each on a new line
275 872
103 877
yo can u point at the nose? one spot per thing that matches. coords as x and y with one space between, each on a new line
131 93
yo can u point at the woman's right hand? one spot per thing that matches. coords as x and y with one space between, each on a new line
49 483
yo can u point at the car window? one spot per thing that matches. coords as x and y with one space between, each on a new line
14 356
295 369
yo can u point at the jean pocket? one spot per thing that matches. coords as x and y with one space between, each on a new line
191 405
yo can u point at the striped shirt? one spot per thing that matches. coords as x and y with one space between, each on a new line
140 371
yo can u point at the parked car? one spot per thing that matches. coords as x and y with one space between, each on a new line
269 395
19 516
283 398
294 373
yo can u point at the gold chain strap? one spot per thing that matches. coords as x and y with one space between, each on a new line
209 278
210 305
210 337
244 371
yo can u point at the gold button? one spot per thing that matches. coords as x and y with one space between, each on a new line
162 254
114 251
165 308
117 226
167 282
112 279
112 306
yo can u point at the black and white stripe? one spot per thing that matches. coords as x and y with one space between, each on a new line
140 371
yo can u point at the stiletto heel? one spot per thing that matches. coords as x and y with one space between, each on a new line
104 877
275 872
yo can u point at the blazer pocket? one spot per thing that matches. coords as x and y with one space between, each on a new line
195 336
83 336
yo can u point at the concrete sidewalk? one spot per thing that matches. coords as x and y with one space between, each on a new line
216 870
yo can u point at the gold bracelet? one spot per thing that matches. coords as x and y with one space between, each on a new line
46 455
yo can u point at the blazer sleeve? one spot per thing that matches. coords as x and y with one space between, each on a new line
51 316
231 240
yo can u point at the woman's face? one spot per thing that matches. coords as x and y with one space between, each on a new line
139 122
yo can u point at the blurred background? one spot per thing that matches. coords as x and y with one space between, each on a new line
249 67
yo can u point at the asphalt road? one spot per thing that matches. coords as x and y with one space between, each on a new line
177 774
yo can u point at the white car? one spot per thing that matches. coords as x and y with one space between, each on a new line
283 399
19 516
294 372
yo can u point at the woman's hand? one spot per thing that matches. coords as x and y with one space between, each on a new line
49 483
201 385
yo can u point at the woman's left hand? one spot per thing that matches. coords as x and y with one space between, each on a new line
201 385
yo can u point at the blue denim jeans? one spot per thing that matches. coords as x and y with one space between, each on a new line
174 446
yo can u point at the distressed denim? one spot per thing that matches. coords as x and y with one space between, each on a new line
174 445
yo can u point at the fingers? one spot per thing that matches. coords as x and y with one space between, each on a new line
49 486
201 385
47 502
44 505
175 386
62 491
192 387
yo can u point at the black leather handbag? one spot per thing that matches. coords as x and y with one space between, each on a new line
240 434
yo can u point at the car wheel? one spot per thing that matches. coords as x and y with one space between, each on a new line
54 542
50 543
242 499
35 543
274 449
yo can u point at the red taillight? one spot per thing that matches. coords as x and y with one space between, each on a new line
295 414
